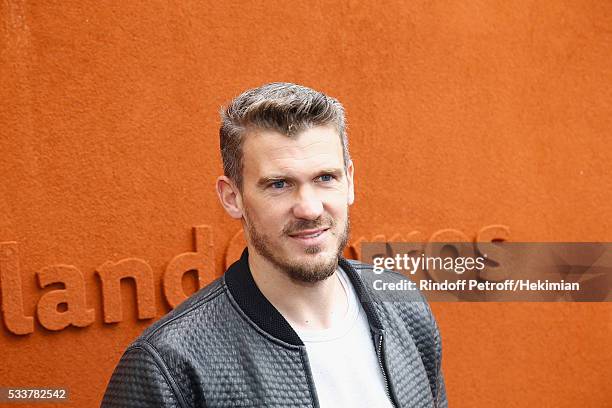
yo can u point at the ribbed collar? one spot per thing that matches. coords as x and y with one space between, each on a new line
257 307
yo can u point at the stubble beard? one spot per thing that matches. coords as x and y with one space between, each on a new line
312 270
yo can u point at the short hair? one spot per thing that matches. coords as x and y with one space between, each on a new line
282 107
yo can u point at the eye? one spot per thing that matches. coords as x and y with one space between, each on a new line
278 184
326 177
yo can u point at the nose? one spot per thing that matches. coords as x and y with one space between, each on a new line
308 205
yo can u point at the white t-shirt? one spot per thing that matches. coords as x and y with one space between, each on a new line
343 360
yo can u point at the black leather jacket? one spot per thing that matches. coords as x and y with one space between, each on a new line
227 346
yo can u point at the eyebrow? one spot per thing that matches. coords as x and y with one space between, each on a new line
267 180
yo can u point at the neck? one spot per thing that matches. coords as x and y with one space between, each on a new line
305 305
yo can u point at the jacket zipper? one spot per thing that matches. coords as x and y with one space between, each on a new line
382 368
381 363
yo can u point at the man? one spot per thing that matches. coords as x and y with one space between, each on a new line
292 323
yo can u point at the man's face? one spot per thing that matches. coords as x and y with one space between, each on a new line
295 195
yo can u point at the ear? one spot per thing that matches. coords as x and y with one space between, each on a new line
230 197
350 172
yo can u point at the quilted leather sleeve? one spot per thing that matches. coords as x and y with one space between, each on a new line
441 401
439 387
141 380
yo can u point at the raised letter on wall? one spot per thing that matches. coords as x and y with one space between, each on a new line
112 273
203 260
73 296
12 301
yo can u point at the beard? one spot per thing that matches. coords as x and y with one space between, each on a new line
315 268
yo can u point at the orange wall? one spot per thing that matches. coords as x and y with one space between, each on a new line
462 115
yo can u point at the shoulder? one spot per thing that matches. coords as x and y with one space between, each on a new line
196 314
387 285
151 368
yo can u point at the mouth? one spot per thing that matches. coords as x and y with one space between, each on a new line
311 236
